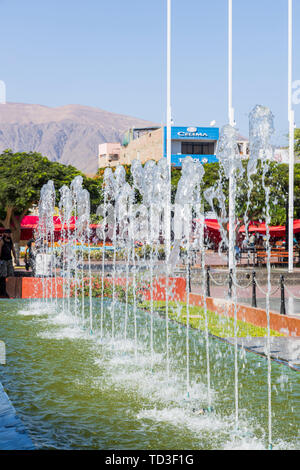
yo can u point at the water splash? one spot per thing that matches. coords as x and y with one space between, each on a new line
261 129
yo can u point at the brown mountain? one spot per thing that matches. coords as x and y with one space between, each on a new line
68 134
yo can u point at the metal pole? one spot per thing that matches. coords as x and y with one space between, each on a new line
169 110
230 282
169 122
254 301
291 139
208 281
231 221
168 201
287 224
282 302
231 214
189 274
230 108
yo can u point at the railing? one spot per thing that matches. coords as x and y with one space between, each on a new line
251 280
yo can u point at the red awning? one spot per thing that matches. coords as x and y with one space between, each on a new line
276 231
31 222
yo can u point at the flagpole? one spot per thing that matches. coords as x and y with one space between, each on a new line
291 118
169 121
168 202
231 215
230 108
169 112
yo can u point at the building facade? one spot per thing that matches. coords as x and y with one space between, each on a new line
145 144
109 154
200 143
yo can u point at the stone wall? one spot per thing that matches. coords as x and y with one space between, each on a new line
147 147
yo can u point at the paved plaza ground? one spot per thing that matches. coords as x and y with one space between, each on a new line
285 350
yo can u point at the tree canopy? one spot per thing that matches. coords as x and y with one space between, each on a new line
297 142
276 178
22 176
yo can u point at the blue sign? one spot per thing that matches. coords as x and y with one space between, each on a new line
176 160
192 134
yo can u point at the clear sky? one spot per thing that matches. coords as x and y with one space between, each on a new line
111 54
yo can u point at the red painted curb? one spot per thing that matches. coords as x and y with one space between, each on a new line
288 325
38 288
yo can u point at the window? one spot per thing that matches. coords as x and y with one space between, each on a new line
197 148
113 157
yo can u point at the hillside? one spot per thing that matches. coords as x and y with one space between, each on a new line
68 134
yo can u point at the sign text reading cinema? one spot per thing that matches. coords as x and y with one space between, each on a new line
192 132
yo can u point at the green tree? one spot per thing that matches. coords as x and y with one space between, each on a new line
22 176
297 142
277 178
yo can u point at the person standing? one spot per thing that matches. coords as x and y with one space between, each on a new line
252 240
30 255
7 250
244 244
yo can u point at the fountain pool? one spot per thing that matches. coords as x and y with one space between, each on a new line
74 390
87 372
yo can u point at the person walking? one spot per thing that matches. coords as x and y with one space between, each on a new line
30 254
6 264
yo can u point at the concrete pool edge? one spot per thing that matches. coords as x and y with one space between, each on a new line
13 434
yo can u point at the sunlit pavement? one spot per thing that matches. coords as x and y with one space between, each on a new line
286 350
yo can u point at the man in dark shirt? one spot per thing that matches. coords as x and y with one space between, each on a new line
6 264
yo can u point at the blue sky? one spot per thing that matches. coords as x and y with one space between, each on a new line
111 54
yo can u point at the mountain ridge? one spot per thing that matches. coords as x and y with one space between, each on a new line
69 134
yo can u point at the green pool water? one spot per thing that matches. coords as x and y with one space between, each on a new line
74 390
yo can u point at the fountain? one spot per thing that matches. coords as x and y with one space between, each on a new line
147 332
